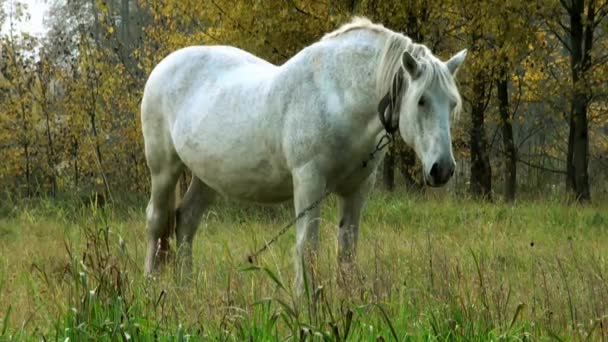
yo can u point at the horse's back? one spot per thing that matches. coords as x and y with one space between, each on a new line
185 72
184 78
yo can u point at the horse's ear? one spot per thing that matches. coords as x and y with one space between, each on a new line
456 61
411 65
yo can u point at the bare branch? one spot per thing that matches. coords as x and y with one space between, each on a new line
559 37
274 49
293 4
602 12
530 134
535 166
541 155
564 27
540 167
494 136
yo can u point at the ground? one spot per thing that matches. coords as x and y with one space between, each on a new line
428 268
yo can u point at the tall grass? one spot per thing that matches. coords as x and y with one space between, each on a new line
430 269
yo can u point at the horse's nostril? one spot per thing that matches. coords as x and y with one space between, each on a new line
435 171
452 171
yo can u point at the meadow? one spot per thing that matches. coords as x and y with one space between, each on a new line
428 268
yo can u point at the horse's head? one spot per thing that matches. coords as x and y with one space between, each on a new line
429 100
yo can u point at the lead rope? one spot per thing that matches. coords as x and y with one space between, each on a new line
382 143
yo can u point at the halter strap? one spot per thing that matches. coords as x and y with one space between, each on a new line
390 104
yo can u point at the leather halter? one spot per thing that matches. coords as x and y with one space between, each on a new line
390 104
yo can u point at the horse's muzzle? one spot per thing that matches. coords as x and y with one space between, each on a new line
440 173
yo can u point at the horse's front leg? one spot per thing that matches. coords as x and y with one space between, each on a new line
308 187
350 206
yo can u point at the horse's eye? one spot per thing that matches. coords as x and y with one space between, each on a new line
422 102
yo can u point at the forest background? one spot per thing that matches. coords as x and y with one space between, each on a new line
535 119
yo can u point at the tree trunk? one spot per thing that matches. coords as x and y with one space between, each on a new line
50 147
26 144
570 183
125 22
92 118
44 108
95 20
580 150
581 42
93 121
510 153
481 172
388 170
75 147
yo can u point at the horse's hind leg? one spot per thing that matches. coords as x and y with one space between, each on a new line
196 200
160 213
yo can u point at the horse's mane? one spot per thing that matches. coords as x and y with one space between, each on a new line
355 24
390 58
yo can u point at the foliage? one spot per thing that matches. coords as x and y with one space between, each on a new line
70 115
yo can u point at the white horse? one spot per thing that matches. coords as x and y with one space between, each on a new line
252 131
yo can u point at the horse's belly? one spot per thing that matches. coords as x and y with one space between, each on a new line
261 183
241 173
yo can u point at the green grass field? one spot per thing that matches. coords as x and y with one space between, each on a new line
427 269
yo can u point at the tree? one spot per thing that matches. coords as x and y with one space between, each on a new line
41 93
512 33
18 118
575 23
477 91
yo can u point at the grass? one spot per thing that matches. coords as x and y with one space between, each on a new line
427 269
